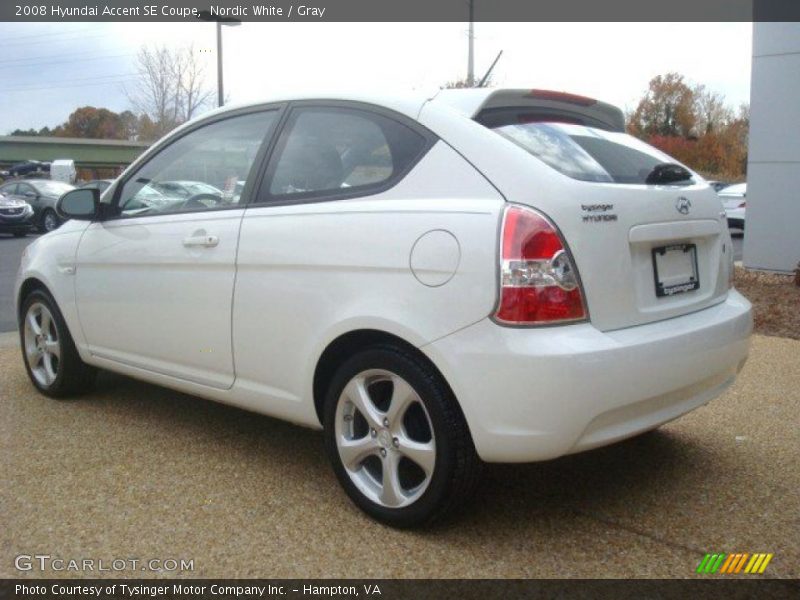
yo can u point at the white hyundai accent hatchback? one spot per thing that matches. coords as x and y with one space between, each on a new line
484 275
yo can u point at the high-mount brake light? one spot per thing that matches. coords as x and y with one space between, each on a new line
562 97
538 281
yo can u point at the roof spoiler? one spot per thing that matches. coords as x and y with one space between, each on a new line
475 101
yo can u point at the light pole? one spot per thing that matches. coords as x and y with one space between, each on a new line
471 49
220 21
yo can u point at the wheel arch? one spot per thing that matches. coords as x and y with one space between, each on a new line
346 345
29 285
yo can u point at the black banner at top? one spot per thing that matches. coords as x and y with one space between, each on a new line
401 10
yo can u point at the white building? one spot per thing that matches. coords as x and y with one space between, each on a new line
772 238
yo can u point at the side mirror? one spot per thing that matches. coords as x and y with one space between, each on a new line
30 195
81 204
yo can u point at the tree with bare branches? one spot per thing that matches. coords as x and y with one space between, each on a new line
169 89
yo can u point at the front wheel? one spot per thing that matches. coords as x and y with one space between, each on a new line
397 439
50 356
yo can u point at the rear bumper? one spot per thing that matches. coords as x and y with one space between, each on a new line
536 394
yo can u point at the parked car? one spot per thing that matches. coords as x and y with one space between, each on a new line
101 185
718 185
16 216
734 201
42 195
488 275
29 168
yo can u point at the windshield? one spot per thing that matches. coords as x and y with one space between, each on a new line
587 153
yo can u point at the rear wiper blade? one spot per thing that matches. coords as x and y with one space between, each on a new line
668 173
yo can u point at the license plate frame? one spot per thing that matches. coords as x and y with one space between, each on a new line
675 257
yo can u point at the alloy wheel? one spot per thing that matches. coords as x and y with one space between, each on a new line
42 344
385 438
50 221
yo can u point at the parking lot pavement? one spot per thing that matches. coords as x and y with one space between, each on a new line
10 252
738 246
137 471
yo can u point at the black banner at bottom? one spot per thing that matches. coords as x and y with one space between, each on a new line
389 589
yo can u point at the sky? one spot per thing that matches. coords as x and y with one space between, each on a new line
50 69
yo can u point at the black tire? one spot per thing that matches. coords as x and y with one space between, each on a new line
457 466
73 376
48 213
20 234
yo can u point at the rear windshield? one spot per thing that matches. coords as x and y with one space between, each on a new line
587 153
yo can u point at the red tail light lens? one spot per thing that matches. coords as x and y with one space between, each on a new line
538 282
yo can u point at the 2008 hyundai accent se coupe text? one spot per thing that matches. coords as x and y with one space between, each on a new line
485 275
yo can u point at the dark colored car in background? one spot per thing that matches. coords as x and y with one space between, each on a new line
42 195
28 168
16 216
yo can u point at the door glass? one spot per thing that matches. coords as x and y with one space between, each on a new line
333 150
203 170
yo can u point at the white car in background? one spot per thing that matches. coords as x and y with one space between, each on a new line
483 275
734 201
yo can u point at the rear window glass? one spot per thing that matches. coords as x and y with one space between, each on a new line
587 153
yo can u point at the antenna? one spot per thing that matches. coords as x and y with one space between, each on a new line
489 72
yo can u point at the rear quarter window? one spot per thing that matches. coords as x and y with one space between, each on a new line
335 151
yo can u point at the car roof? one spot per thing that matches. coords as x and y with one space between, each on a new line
407 103
734 190
468 102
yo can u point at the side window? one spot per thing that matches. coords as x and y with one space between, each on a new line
24 188
203 170
9 190
329 151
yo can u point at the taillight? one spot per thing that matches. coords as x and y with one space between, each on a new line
538 282
742 205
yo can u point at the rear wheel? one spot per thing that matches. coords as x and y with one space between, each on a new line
397 439
50 356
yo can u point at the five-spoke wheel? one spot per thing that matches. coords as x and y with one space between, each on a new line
51 359
42 346
396 436
385 438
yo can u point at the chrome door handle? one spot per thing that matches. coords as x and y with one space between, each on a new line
201 241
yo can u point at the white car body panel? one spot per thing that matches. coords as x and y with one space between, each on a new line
245 322
573 388
184 329
309 273
616 272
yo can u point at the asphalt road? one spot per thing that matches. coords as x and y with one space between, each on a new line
10 252
137 471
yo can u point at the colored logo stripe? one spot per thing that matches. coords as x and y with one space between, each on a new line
734 563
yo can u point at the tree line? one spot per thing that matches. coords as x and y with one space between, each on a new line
168 90
693 124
